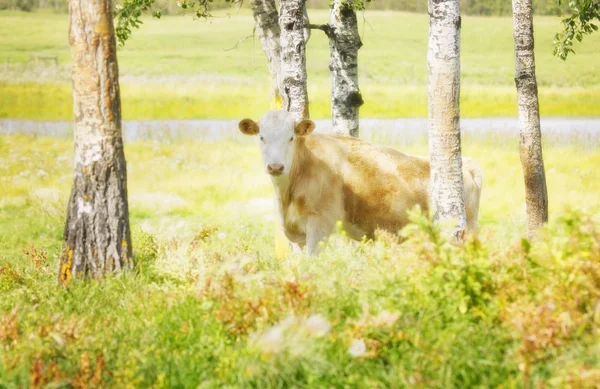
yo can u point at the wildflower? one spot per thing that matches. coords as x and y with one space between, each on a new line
271 340
318 325
386 319
222 235
358 348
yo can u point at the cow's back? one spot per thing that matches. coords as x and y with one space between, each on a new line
378 184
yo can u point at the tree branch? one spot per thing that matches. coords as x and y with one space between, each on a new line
239 42
323 27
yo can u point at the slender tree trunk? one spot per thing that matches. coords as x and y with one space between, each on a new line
266 20
443 62
292 20
344 43
536 193
97 236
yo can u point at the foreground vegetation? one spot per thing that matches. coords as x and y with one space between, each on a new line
208 305
177 68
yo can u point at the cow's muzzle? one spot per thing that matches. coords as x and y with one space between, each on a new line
275 169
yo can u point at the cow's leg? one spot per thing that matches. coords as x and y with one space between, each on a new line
473 179
317 230
297 247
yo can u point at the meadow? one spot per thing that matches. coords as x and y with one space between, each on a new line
181 68
208 305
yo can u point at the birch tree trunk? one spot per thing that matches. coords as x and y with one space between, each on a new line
443 62
344 43
536 193
96 239
266 18
292 20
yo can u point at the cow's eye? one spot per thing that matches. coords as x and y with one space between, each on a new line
291 139
262 139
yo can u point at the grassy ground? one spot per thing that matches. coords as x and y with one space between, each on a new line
208 305
185 60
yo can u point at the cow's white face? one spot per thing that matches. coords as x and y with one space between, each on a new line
277 134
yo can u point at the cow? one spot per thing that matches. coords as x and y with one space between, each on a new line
321 179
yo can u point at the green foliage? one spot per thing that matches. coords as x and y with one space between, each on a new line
376 314
22 5
209 305
129 13
580 22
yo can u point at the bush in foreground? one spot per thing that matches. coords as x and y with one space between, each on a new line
212 312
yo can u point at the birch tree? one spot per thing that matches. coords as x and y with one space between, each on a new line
266 18
532 161
294 34
96 238
344 43
443 65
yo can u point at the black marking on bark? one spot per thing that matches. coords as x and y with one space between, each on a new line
287 96
346 11
355 99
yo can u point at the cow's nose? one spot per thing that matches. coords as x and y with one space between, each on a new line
275 169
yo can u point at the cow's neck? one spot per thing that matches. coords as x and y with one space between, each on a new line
285 183
281 184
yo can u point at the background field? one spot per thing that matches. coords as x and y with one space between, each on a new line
177 68
209 306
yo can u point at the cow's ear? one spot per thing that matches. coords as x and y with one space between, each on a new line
305 127
248 127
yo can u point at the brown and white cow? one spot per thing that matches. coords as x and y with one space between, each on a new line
321 179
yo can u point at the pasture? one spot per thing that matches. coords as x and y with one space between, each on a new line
185 59
209 306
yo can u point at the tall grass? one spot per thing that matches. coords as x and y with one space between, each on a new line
208 305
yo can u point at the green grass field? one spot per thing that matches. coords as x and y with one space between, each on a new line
209 306
177 68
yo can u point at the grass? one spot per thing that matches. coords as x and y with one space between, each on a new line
185 60
208 305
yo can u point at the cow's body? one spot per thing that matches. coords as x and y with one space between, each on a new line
335 178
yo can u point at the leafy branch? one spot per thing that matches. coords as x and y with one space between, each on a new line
129 12
576 25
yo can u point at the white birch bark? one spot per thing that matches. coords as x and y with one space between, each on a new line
292 20
96 238
532 161
266 18
344 43
443 62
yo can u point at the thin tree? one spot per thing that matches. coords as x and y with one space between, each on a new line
293 24
97 238
532 161
344 43
267 27
294 34
443 63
